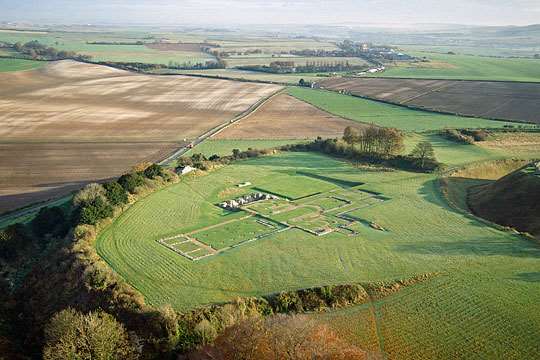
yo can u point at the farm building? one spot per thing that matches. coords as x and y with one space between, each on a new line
183 170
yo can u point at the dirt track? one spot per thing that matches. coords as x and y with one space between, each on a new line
70 123
285 117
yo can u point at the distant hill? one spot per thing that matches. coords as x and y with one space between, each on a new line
513 200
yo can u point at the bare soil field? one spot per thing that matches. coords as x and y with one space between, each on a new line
33 172
285 117
498 100
73 101
195 47
70 123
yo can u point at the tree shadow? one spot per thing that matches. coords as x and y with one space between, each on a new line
528 277
513 247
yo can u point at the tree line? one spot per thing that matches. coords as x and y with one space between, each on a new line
38 51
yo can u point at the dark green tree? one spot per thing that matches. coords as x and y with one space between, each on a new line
130 181
115 193
95 211
49 221
153 170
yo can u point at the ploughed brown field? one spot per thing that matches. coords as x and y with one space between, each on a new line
70 123
285 117
498 100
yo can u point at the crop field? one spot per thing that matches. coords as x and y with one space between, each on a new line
69 123
466 67
368 111
7 64
499 100
519 144
82 42
483 302
285 117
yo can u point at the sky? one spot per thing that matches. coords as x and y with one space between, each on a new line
244 12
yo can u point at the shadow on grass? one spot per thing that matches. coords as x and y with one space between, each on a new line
528 277
513 247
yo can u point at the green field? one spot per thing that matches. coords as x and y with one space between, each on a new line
468 67
79 42
19 64
484 303
368 111
225 147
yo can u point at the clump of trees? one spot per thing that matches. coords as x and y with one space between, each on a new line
465 136
375 140
38 51
375 150
287 67
97 335
279 337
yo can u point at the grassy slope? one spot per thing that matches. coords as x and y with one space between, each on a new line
386 115
485 303
19 64
513 200
469 68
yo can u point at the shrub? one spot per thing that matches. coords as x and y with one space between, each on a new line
279 337
153 171
457 136
91 213
477 135
13 239
96 335
286 302
131 181
50 221
115 193
88 194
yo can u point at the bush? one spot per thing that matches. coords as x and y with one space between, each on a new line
286 302
50 221
88 194
115 193
13 240
131 181
477 135
96 335
457 136
92 213
153 171
279 337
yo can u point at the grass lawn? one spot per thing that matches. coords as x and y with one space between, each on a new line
232 233
484 303
368 111
294 187
468 67
19 64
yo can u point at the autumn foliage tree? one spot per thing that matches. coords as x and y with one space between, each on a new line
375 140
96 335
279 337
